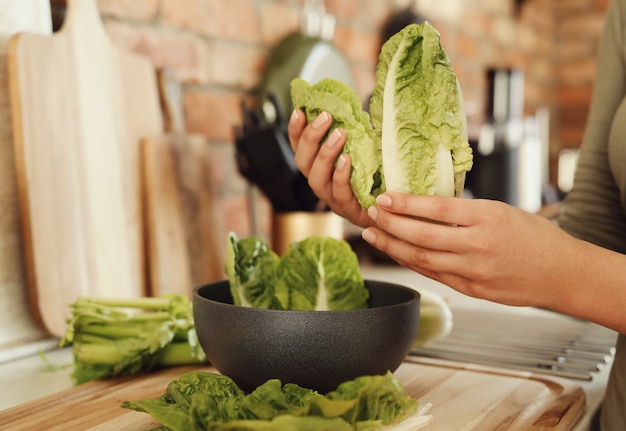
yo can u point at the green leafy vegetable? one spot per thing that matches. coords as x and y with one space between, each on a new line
113 337
322 273
417 113
317 273
207 401
251 268
419 143
336 97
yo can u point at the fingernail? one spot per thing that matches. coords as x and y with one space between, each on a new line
368 236
372 212
321 120
333 138
383 200
341 163
294 116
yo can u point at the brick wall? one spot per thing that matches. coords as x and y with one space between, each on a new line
218 48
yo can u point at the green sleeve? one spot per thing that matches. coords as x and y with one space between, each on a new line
594 208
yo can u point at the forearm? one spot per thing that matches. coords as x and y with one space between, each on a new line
591 285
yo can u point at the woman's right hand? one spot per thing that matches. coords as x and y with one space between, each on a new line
329 181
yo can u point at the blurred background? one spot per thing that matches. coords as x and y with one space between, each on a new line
541 52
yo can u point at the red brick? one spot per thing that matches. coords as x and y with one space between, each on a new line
235 211
581 26
346 9
235 64
137 10
233 19
358 45
212 113
601 5
278 21
574 95
578 72
185 53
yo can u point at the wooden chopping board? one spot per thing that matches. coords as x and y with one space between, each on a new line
462 398
80 107
186 241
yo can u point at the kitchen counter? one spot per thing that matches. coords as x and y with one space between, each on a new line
29 379
594 389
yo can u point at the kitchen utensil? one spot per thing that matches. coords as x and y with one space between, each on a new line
264 155
80 106
186 240
565 348
463 397
265 158
308 54
16 324
315 349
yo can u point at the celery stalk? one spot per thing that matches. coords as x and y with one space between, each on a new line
113 337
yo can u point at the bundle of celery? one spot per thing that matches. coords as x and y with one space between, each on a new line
114 337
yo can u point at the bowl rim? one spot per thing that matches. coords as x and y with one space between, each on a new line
416 296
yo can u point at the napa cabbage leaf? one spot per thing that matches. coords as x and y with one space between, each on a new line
317 273
417 114
336 97
200 400
419 129
251 269
321 273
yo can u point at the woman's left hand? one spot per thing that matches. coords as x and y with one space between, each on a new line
482 248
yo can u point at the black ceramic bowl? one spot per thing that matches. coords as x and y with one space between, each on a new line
314 349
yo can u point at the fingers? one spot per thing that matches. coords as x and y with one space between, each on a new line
297 122
422 232
343 195
307 145
430 262
327 172
322 165
445 210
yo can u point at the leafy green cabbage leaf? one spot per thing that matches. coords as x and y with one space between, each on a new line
418 125
317 273
388 409
339 99
321 273
417 113
251 269
200 400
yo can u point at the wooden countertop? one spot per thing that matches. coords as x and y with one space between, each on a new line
462 397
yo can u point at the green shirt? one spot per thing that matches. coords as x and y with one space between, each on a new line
595 208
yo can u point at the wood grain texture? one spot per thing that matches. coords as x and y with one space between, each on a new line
80 107
16 325
185 249
463 398
186 240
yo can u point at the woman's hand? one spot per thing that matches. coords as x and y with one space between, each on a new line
482 248
329 182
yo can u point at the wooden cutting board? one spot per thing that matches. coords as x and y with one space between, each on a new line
462 398
186 240
80 107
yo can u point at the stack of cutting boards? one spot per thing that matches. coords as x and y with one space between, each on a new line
81 108
186 240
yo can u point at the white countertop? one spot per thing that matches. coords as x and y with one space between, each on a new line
29 378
